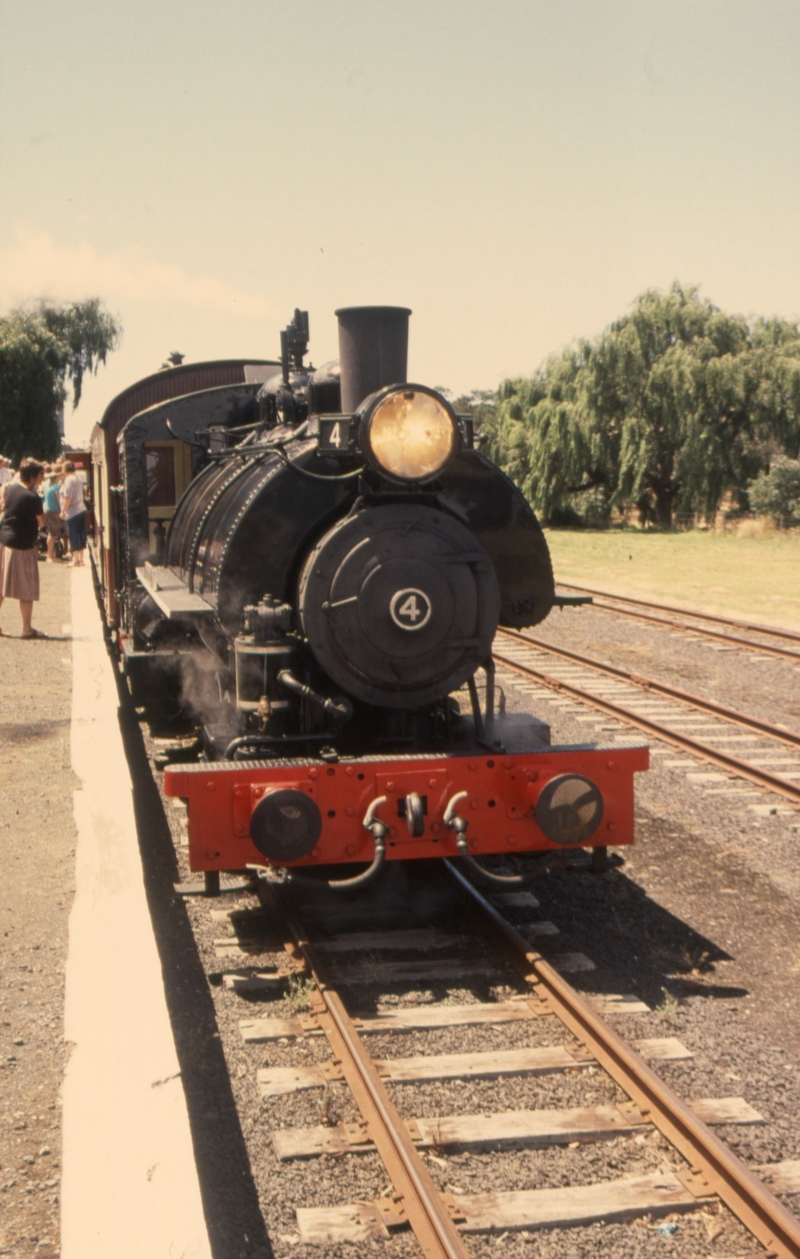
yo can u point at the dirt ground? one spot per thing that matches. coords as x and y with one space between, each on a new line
37 832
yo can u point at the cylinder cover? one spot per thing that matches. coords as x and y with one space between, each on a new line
400 604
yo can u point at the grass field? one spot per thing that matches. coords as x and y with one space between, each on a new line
757 578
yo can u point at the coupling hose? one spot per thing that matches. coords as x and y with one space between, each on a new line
459 824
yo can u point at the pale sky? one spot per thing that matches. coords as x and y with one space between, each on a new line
517 172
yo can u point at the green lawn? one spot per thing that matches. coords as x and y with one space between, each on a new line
756 578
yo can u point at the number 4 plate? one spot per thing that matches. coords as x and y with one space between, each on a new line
337 435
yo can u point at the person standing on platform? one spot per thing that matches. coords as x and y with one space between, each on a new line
22 519
52 513
73 510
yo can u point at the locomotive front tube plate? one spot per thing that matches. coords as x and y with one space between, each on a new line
569 809
285 825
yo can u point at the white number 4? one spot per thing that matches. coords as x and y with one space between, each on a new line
335 438
410 608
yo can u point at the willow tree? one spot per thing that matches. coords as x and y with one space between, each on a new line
673 406
777 493
42 351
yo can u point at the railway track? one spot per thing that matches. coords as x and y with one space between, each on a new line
705 729
563 1036
699 624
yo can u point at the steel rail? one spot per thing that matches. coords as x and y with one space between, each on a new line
713 1167
761 777
754 628
663 688
421 1204
749 644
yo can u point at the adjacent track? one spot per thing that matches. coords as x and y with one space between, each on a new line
525 662
617 604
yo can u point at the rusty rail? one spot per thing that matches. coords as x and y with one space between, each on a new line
719 636
769 630
418 1200
713 1168
761 777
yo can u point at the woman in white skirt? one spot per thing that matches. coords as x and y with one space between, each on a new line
19 528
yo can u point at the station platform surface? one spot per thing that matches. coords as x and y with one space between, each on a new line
128 1184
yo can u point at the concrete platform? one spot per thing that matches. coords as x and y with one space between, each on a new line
130 1186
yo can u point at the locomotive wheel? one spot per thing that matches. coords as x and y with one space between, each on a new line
399 604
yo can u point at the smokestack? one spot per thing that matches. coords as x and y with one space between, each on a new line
373 350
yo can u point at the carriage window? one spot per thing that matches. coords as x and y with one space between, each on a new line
161 477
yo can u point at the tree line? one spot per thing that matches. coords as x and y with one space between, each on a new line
674 409
42 350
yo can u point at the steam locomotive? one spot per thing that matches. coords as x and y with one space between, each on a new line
320 604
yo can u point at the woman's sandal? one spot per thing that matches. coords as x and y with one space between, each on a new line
34 634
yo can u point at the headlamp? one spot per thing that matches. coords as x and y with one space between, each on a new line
409 433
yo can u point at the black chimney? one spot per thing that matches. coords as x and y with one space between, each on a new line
373 350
